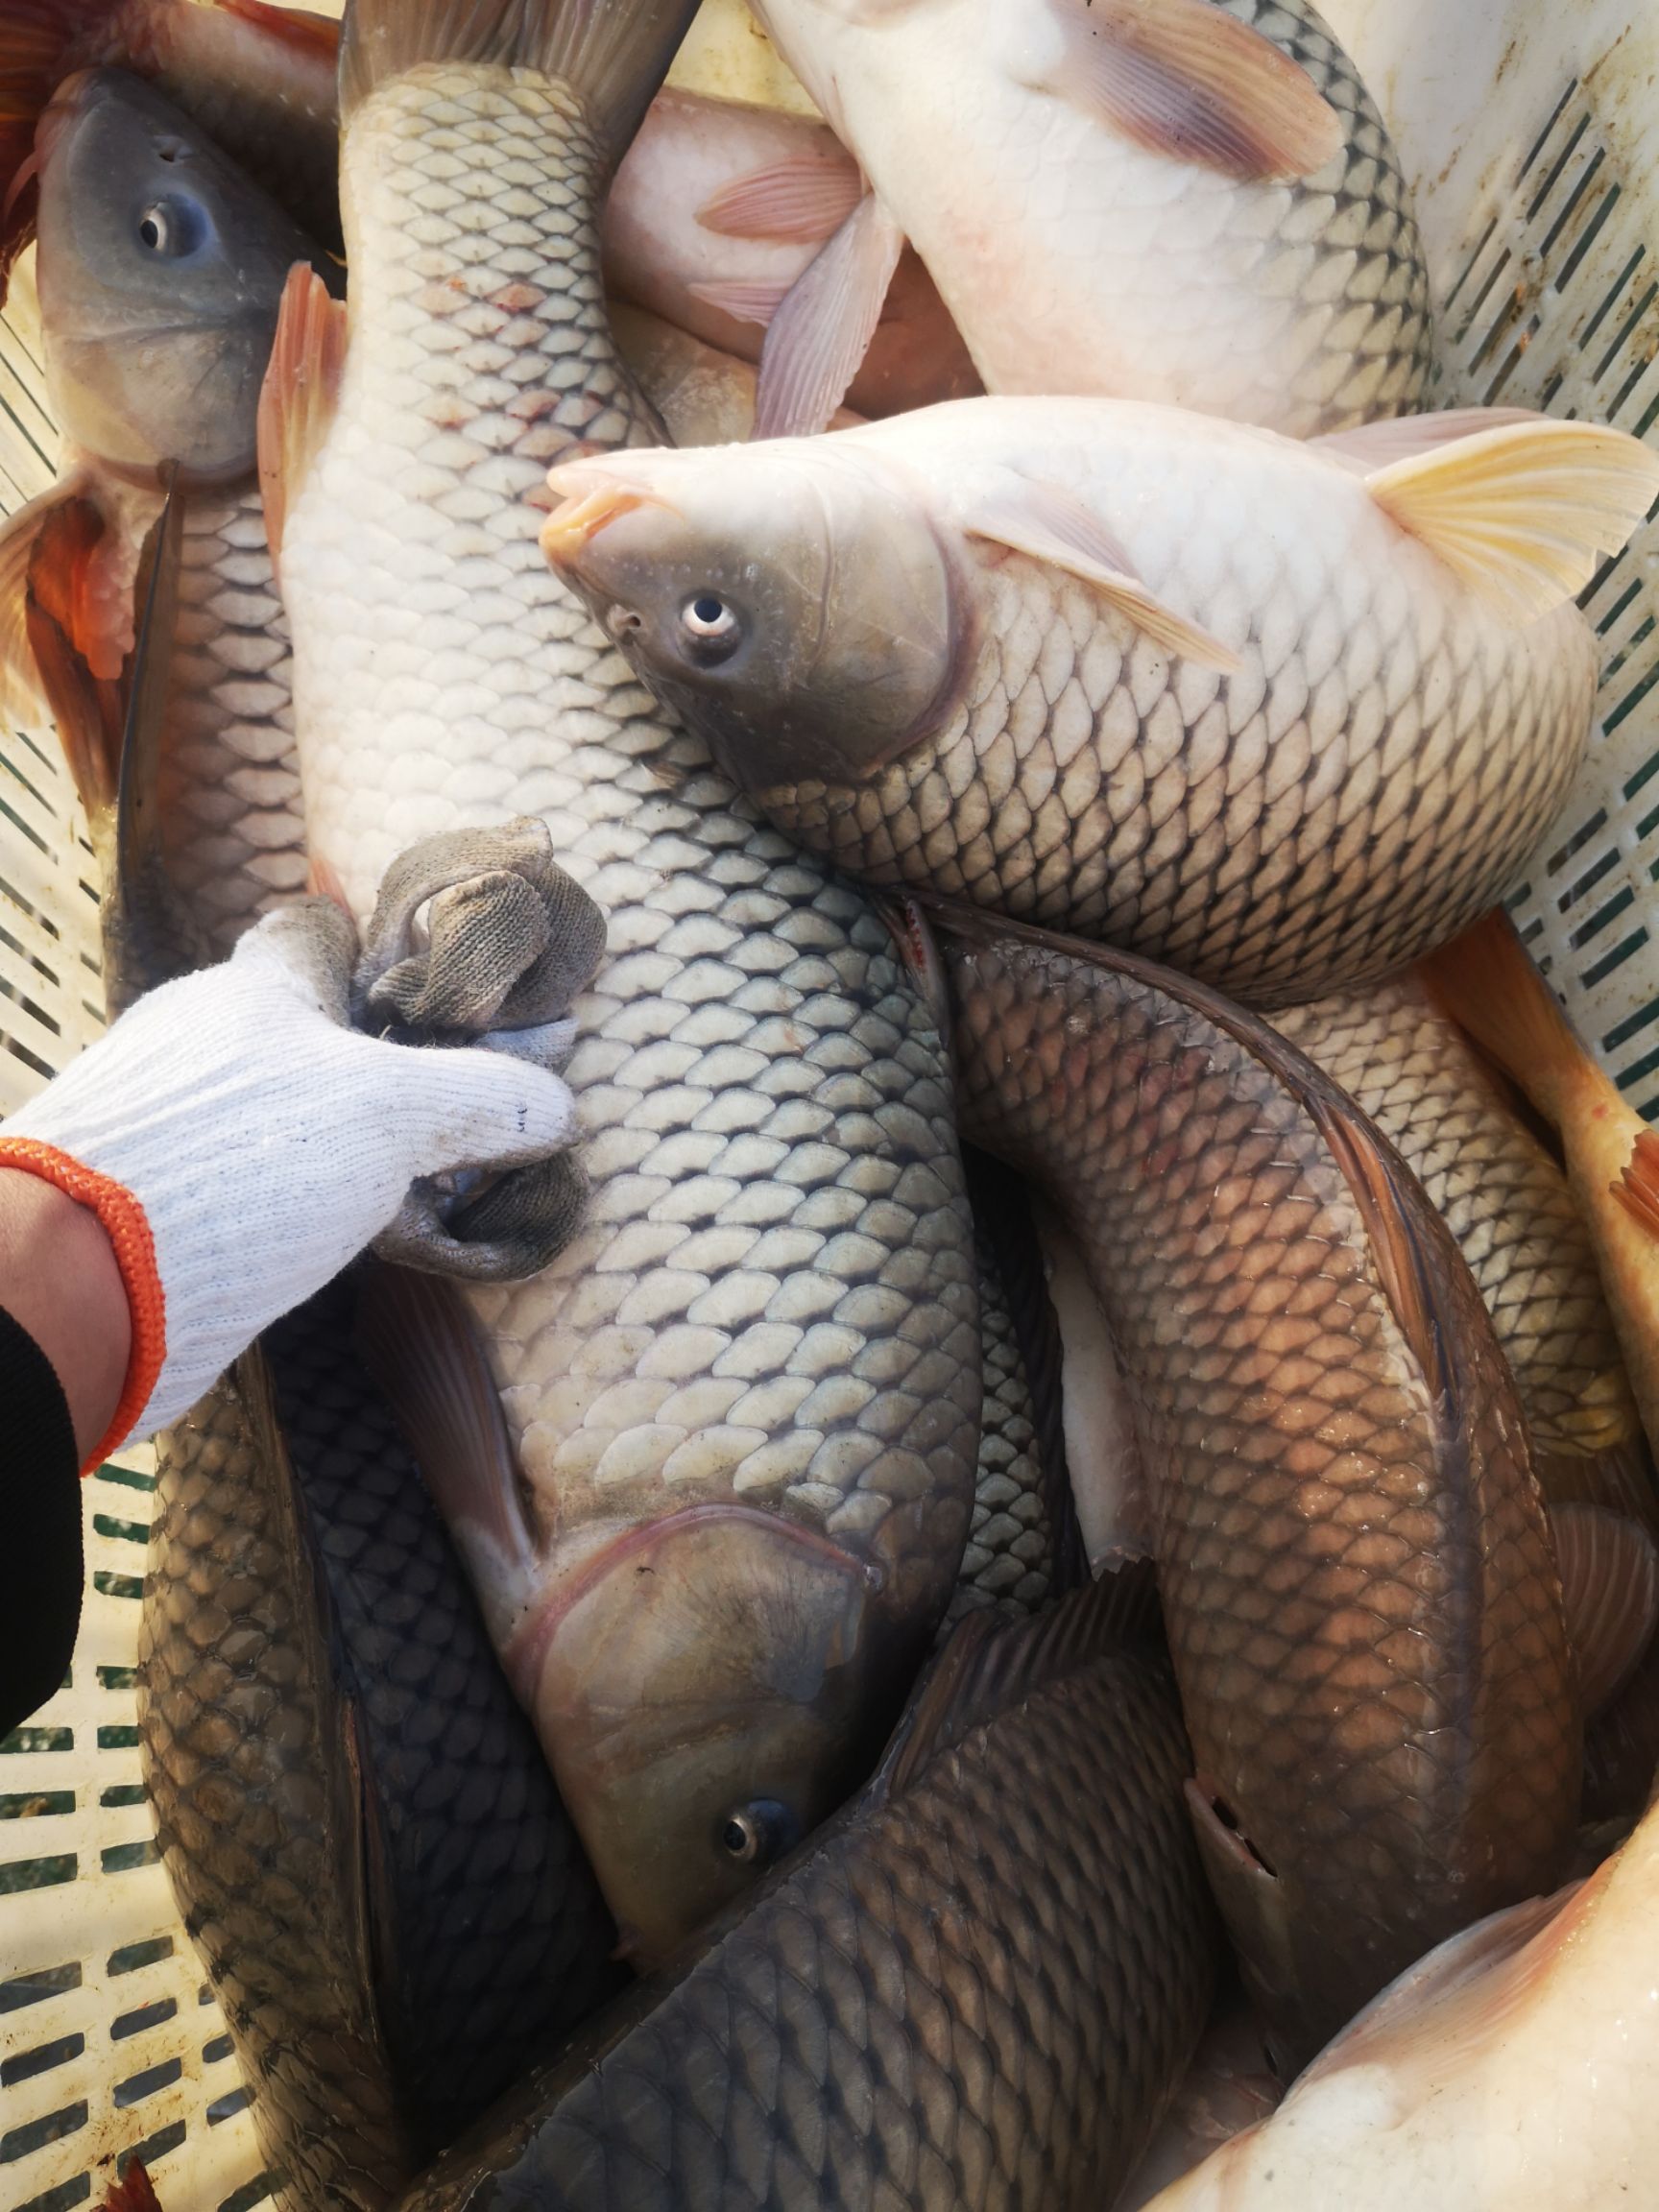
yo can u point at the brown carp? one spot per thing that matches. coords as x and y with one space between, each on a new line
977 1987
1282 715
1364 1611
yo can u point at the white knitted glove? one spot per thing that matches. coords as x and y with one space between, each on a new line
240 1144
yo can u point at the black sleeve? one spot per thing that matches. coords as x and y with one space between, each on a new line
40 1563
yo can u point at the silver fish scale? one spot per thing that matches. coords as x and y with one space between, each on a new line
1409 1067
231 822
1385 795
1346 233
1009 1559
773 1298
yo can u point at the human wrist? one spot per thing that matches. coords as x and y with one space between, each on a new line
63 1281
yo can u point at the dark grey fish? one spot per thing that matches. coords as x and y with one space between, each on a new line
978 1986
362 1837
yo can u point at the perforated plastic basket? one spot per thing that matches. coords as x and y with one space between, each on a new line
1525 132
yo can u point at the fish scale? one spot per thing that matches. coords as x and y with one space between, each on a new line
772 1300
1353 1559
230 811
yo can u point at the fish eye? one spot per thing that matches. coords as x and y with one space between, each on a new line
712 625
172 228
759 1833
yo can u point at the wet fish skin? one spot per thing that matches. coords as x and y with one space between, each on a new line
259 80
704 396
1363 1607
359 1831
1059 245
757 1370
919 669
976 1988
669 247
159 271
1513 2067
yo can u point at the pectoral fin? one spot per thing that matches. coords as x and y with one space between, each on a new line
744 300
1181 78
1610 1590
1046 523
824 324
1520 512
801 201
78 619
300 395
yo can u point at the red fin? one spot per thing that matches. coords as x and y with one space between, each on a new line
1486 981
743 300
1610 1590
1636 1189
73 622
1182 79
300 395
805 200
41 42
132 2191
824 325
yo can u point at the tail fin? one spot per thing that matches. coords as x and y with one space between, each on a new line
132 2191
1486 981
614 54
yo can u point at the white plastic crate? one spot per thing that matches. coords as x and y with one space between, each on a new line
1526 134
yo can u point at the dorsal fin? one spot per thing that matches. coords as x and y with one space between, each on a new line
992 1664
1521 512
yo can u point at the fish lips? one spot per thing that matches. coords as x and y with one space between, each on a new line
709 1688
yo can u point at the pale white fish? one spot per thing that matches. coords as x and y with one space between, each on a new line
1516 2068
1160 200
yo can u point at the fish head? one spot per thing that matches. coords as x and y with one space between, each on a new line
709 1688
161 269
790 600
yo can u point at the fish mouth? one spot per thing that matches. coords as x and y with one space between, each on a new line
590 503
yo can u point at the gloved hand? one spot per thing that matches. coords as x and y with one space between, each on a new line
240 1143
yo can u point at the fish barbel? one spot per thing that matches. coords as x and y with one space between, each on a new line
742 1408
1158 200
1514 2070
1363 1608
363 1840
975 1990
1281 716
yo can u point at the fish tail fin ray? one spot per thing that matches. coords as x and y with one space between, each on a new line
1521 512
300 395
614 54
1486 980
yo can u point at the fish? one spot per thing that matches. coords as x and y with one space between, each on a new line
979 1985
258 79
1024 1546
360 1833
1363 1610
1514 2066
704 396
1409 1065
1486 980
718 207
1227 2088
1159 200
1281 716
713 1469
133 337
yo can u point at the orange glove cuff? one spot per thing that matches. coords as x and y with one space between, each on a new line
128 1229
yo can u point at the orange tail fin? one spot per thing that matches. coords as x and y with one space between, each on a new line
1486 981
